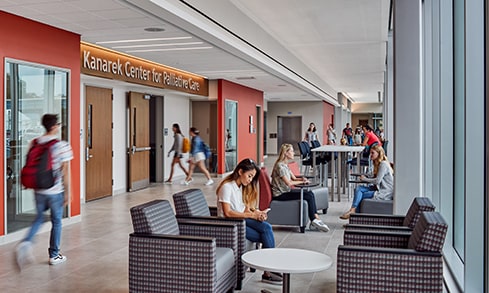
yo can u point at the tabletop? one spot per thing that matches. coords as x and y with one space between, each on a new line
338 148
287 260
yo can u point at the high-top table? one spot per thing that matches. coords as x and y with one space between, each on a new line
341 150
287 261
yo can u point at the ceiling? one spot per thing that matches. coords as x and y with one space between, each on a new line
291 50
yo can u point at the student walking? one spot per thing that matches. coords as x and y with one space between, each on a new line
178 153
198 158
54 198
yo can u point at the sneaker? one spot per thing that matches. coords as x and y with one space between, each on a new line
57 259
319 225
209 182
271 279
186 182
24 255
169 182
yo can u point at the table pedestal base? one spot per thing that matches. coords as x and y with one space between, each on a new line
286 283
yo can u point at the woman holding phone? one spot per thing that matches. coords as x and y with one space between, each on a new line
237 196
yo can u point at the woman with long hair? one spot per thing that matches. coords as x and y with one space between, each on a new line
283 181
177 149
381 185
237 197
197 158
311 134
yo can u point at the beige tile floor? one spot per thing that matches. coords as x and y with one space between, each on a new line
97 248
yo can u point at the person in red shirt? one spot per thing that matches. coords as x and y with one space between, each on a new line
370 137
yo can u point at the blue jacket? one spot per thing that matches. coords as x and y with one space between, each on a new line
197 145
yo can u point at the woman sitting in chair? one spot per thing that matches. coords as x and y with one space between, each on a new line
237 196
381 186
283 180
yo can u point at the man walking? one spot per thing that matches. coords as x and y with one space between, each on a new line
54 198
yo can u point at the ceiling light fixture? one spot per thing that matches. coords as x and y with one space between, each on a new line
157 45
245 77
143 40
169 49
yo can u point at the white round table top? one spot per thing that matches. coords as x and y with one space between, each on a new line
287 260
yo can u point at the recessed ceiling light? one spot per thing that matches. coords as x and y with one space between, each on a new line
154 29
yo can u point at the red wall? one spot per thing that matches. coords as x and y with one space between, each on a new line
328 117
27 40
247 99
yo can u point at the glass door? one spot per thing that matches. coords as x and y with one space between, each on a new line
31 91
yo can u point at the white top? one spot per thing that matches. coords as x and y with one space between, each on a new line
338 148
287 260
231 194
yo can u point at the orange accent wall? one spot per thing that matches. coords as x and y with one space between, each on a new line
247 99
328 117
27 40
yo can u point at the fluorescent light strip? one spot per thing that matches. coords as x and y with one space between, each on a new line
170 49
157 45
143 40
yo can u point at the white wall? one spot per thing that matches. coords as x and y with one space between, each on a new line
310 112
176 111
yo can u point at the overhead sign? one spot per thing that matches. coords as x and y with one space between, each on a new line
101 62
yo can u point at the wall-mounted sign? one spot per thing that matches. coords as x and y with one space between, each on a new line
101 62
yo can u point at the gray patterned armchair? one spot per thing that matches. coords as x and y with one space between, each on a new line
379 261
191 205
392 222
168 256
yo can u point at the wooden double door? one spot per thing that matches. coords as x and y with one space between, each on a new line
98 137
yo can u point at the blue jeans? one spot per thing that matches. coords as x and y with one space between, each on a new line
54 202
262 232
361 192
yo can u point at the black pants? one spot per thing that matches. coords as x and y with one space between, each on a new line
296 194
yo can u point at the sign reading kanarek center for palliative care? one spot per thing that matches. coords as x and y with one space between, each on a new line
101 62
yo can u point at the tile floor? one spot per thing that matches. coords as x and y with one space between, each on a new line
97 248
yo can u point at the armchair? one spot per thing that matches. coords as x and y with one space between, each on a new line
191 205
410 262
392 222
168 256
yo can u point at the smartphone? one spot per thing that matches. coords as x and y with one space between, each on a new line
267 210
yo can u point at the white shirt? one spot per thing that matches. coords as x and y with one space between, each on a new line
231 194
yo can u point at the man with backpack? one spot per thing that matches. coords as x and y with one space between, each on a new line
54 198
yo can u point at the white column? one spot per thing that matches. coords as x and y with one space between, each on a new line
408 138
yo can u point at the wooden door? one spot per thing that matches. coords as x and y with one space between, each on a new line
98 138
138 141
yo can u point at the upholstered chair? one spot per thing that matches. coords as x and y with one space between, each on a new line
379 261
191 205
168 256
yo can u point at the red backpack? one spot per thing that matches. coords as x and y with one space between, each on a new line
37 172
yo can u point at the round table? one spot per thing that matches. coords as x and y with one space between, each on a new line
287 261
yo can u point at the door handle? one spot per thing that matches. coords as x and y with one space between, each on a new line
87 154
135 149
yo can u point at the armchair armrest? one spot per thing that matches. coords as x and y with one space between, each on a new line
376 219
377 228
367 269
376 238
226 234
